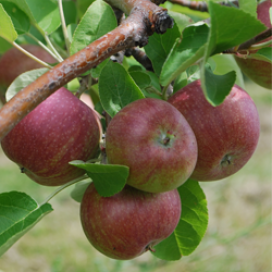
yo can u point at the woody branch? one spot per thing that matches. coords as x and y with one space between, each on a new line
144 19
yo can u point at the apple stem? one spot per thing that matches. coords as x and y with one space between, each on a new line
150 248
59 189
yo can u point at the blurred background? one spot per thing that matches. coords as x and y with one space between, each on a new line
238 238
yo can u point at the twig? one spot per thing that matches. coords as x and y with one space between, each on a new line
145 18
201 6
141 57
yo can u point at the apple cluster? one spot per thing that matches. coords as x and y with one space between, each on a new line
164 143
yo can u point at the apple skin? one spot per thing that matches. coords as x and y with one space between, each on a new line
129 223
13 63
60 129
155 141
257 70
227 135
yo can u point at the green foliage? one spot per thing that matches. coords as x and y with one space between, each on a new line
18 214
108 179
192 226
183 54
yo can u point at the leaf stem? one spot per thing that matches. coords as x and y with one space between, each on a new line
60 59
59 189
31 56
42 45
64 28
260 45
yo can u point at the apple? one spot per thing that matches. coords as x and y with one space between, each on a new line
60 129
227 135
155 141
14 62
129 223
257 70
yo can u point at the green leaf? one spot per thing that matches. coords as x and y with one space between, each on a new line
7 30
181 20
217 87
43 14
117 88
159 47
18 214
70 12
192 226
82 6
95 72
249 6
264 54
225 63
19 19
180 82
79 190
185 52
108 179
230 27
23 80
142 79
4 45
96 22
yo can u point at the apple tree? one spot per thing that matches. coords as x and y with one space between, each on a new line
162 116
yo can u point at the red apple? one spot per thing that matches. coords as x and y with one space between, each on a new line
129 223
155 141
258 71
14 62
61 129
227 135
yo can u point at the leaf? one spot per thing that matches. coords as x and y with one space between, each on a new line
19 19
180 20
79 190
116 88
96 22
217 87
192 226
264 54
95 72
82 6
70 12
18 214
108 179
230 27
43 14
225 63
249 6
142 79
185 52
23 80
7 30
159 46
4 45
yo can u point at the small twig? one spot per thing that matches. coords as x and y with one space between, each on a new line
201 6
141 57
249 44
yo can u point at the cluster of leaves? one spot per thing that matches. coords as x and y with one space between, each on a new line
189 51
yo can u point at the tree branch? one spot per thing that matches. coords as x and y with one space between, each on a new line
145 18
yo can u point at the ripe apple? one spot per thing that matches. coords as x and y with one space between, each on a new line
155 141
258 71
14 62
129 223
227 135
61 129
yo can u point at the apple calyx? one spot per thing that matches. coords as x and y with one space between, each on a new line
226 161
166 139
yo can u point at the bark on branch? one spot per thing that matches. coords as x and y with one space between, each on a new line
144 18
